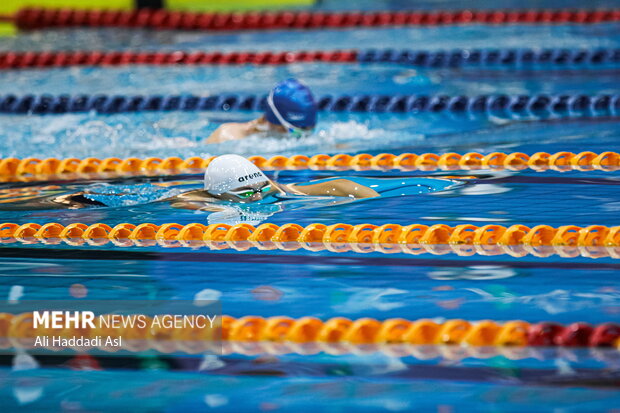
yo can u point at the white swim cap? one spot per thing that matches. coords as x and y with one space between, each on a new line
228 172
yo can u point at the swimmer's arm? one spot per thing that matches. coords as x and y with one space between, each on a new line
197 200
337 187
197 195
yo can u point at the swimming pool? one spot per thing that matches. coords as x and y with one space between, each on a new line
542 281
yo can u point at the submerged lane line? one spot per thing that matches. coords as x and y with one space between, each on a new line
582 377
365 261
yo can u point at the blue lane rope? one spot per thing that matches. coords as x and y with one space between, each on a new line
519 58
502 106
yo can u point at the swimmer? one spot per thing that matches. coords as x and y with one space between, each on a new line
291 110
233 190
228 179
233 178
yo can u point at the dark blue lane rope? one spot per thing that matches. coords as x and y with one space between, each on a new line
502 106
519 58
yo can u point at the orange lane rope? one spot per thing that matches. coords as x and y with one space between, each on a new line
32 169
281 329
594 241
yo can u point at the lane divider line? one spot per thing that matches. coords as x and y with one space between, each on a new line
567 241
40 18
523 59
33 169
541 106
282 329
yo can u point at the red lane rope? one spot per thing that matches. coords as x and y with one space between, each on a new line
559 58
16 60
38 18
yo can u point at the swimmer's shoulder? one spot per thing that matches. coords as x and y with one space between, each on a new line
230 131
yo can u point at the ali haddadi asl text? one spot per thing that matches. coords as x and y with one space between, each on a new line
98 341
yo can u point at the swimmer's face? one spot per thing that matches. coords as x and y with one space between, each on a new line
292 131
249 193
286 131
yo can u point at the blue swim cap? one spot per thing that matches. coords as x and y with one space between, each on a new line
295 103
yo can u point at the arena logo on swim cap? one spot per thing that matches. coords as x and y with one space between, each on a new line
250 176
295 116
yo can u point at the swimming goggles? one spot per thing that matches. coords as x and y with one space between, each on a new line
247 193
293 130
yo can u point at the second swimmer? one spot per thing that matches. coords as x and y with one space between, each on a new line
291 111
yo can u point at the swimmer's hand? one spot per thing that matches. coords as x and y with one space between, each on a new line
76 200
337 187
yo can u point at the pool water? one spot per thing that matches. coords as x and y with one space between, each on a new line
321 284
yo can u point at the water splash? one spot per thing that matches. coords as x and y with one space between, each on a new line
183 134
128 195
